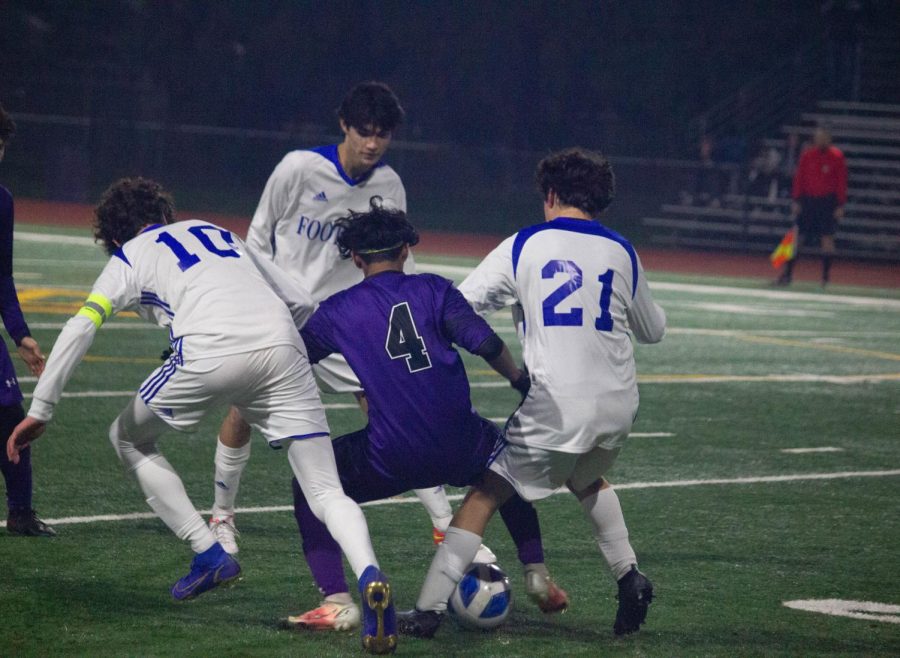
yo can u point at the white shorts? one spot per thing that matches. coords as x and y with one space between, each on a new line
335 375
273 388
574 421
536 473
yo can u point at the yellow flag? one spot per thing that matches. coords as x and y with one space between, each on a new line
785 249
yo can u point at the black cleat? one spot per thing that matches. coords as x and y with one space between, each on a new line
27 524
418 623
635 595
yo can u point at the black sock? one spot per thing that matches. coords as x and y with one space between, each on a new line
789 268
826 268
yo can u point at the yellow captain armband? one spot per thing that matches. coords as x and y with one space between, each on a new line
96 308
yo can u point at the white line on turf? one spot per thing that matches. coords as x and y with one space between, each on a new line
803 451
54 238
130 394
783 295
797 477
740 379
868 610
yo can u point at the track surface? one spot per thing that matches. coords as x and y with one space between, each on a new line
844 272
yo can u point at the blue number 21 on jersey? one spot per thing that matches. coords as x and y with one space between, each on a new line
574 317
186 260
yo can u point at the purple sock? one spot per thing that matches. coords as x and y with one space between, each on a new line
521 520
18 480
323 555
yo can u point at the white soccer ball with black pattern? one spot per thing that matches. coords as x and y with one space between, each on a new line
482 599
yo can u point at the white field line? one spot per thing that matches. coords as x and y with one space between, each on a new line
642 379
704 289
741 379
509 329
54 238
868 610
804 451
748 309
797 477
131 394
462 271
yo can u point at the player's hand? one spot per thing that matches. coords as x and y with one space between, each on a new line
839 213
795 209
22 436
31 354
522 383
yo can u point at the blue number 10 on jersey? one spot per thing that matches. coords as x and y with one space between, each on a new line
574 317
186 260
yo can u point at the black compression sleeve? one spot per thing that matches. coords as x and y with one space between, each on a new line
490 348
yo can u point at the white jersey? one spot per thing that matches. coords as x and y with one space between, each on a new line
215 296
294 221
583 292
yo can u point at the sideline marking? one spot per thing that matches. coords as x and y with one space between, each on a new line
54 238
131 394
798 477
699 378
803 451
646 379
879 303
868 610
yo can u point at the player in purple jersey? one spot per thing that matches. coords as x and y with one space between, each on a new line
397 332
21 519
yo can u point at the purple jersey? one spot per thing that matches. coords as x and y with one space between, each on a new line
397 333
9 304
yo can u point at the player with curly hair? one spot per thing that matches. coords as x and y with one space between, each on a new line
211 292
583 295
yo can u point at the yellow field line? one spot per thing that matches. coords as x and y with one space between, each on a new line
786 342
122 359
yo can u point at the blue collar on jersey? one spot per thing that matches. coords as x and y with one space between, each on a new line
589 227
330 153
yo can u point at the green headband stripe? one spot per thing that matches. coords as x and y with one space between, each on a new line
378 251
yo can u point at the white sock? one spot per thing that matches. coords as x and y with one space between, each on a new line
230 463
437 506
313 463
447 568
166 496
605 516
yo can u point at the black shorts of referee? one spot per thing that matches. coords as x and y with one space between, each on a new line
816 218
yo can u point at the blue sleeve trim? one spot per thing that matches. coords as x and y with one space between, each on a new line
576 226
330 153
118 253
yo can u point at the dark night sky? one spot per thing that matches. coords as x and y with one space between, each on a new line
520 74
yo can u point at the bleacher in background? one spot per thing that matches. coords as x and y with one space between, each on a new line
869 136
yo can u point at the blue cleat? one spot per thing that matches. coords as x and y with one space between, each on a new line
209 569
379 628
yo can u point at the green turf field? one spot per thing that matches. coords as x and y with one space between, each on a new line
727 524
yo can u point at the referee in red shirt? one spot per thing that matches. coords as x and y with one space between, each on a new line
820 193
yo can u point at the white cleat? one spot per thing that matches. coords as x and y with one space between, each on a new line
225 532
546 594
329 616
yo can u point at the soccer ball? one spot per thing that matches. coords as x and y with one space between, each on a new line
482 598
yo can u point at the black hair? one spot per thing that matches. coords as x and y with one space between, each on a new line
127 206
371 104
375 235
7 125
580 178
